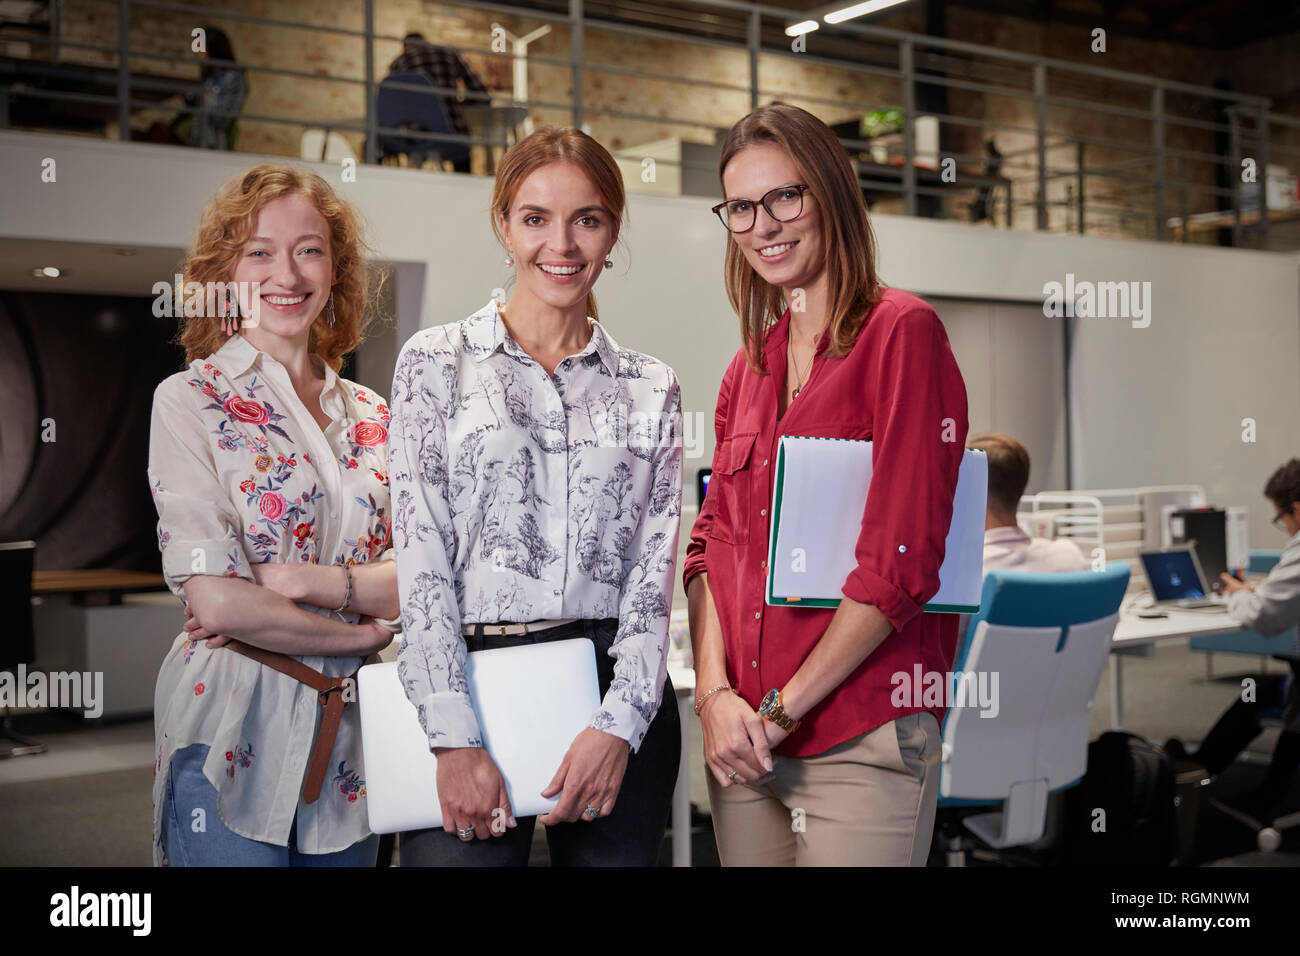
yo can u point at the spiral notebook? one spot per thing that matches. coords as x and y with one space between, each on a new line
818 499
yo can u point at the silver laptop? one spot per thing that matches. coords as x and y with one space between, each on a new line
531 701
1176 579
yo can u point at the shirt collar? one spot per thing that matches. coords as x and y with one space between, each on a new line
240 356
485 333
1004 534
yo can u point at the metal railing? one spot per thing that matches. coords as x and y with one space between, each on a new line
1084 148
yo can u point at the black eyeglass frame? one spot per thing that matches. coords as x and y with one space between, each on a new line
718 209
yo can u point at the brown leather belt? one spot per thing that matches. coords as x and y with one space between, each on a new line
329 691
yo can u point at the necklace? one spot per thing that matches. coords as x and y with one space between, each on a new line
803 379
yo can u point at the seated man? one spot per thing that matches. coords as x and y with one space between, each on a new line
1007 547
446 70
1268 608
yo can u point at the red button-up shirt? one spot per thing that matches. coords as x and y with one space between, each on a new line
900 387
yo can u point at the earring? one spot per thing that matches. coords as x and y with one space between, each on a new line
329 310
510 258
609 263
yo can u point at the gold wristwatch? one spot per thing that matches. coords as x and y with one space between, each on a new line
770 709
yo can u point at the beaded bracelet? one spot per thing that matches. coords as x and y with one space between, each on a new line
347 597
699 701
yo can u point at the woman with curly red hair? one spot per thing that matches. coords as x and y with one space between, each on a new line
269 475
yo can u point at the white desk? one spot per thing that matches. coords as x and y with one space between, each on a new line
1137 637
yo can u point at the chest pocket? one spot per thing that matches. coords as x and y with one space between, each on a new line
731 481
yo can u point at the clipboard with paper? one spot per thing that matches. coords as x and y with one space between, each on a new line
818 498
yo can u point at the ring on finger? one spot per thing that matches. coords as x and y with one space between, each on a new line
732 776
465 833
591 812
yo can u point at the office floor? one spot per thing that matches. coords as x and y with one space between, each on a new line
86 801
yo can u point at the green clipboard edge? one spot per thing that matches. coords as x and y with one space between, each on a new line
783 601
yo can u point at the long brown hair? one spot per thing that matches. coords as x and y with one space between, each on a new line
850 243
555 145
225 228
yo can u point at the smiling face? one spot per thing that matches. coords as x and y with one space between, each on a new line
289 256
785 254
559 232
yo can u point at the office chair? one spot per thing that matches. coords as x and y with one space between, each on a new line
1048 637
17 638
1268 833
401 108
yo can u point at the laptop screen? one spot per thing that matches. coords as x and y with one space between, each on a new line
1172 575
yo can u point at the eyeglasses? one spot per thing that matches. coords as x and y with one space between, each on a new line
782 203
1277 521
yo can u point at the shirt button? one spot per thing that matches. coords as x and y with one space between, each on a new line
753 663
756 614
764 462
902 549
763 513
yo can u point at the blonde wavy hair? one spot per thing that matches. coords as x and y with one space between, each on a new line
226 226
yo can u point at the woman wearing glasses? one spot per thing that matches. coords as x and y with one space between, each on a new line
814 758
536 472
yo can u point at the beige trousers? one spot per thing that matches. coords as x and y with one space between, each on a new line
869 801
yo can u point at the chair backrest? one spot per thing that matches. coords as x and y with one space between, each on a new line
1045 637
1263 561
17 641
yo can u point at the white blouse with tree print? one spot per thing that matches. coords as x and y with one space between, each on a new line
521 496
241 474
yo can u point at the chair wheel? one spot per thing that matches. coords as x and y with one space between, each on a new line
1268 839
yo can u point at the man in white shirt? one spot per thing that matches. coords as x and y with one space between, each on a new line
1006 547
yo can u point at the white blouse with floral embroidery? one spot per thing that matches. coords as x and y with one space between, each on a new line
242 474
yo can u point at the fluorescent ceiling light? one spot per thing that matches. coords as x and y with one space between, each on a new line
859 10
803 26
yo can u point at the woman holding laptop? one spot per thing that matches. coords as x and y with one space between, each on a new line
536 472
810 760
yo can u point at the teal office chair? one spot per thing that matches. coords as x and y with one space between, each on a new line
1047 637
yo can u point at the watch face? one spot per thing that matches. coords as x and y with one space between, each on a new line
768 702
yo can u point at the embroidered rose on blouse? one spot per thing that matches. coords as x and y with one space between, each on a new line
246 411
262 462
271 505
368 434
247 486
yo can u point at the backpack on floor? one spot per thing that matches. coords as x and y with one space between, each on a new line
1122 813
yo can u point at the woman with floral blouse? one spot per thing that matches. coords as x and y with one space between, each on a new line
269 474
536 470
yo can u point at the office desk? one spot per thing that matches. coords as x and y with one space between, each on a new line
1137 637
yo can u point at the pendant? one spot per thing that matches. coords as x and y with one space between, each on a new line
795 395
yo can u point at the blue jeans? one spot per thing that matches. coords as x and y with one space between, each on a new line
630 836
219 846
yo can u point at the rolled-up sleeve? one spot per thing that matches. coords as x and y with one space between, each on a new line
918 404
640 647
431 661
198 526
699 539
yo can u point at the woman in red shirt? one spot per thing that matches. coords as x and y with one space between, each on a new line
804 705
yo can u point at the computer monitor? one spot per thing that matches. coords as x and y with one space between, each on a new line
1173 574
